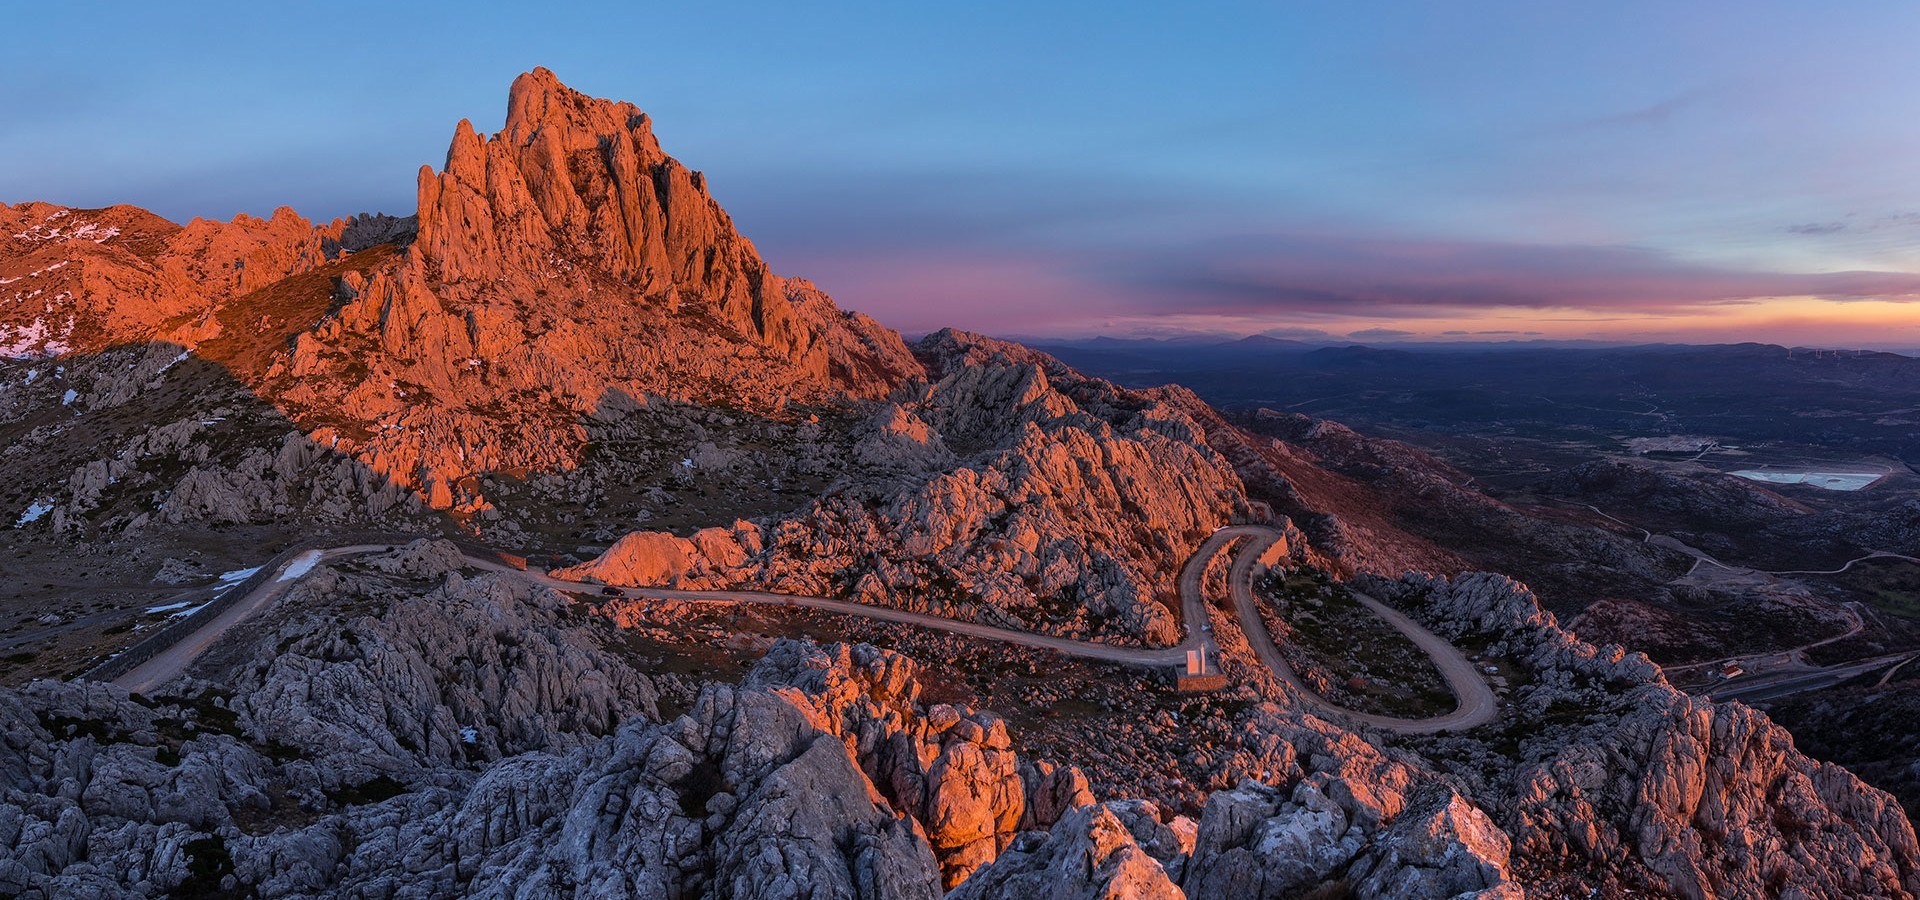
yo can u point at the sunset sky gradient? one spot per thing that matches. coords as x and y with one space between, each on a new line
1379 171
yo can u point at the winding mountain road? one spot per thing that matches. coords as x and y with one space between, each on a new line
1476 702
1877 554
1119 653
1701 556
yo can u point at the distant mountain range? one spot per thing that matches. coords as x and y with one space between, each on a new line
1261 342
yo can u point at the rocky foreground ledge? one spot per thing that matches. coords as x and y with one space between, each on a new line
398 728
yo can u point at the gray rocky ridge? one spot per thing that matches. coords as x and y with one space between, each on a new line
399 727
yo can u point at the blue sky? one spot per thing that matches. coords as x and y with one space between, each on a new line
1625 170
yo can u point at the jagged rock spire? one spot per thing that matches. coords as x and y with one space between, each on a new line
577 180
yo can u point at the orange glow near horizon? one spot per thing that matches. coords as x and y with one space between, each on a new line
1789 321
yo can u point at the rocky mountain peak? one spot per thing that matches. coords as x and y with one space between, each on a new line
576 188
538 103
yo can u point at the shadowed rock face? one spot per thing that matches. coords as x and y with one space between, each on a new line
141 438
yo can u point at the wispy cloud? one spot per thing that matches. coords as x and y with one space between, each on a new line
1653 114
1859 223
1297 333
1817 228
1379 333
1360 276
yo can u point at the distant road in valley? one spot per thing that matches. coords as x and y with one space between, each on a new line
1877 554
1775 685
1701 556
1786 671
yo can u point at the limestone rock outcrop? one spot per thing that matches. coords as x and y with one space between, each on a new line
1089 854
993 470
1256 842
1441 846
1704 799
953 770
82 280
643 558
473 670
739 798
570 177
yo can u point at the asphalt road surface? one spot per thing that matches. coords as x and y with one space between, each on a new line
169 663
1775 685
